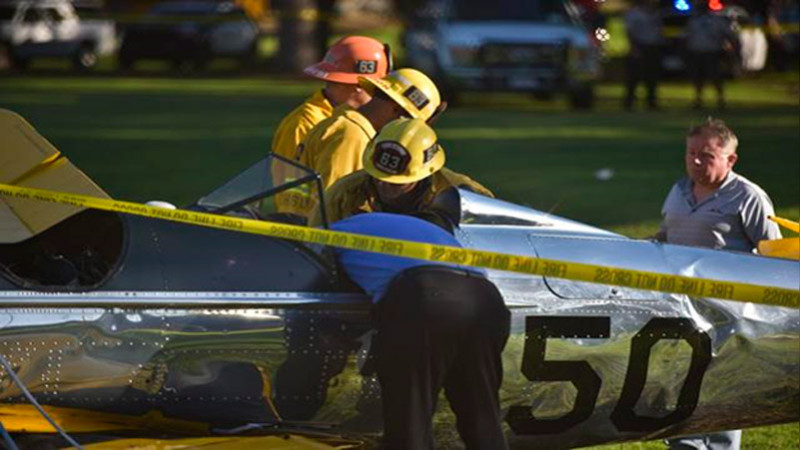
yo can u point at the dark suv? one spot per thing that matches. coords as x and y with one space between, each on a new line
190 33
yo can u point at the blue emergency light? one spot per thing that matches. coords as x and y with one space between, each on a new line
685 5
681 5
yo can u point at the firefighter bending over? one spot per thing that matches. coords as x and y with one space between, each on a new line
403 172
439 328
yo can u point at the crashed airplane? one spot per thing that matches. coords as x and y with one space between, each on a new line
123 326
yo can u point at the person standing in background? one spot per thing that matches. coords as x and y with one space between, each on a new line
643 25
708 37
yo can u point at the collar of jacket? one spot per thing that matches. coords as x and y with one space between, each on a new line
360 120
319 100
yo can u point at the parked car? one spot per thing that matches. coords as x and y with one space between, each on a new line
506 45
51 28
190 33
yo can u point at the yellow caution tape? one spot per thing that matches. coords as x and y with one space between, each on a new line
436 253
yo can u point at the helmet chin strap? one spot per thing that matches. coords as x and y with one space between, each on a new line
387 50
326 93
437 113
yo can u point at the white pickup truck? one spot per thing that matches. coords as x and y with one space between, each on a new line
51 28
541 47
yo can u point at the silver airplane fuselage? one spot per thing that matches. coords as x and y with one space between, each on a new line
586 363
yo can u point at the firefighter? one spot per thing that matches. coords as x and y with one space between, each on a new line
334 147
348 59
403 172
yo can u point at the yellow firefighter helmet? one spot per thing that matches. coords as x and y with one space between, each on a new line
404 151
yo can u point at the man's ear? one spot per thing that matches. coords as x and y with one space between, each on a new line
732 158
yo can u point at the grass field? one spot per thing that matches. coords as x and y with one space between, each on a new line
176 139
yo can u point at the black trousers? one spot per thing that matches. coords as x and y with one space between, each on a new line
441 328
643 66
706 66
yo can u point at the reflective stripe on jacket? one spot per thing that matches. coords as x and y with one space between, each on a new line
290 133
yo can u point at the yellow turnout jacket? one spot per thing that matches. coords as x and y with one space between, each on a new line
355 194
296 125
335 146
290 134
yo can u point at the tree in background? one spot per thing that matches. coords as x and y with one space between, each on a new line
324 27
406 9
300 36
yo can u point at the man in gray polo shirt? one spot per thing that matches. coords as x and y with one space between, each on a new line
714 207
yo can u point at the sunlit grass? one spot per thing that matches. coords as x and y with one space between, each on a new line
156 134
177 86
778 437
534 153
533 132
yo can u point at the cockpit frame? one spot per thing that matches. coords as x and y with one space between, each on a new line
274 164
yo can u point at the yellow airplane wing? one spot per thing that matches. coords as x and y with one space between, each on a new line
782 248
283 442
26 419
786 223
28 159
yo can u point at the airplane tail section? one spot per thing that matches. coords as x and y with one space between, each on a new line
28 159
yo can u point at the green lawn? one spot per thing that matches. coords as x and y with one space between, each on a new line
176 139
131 135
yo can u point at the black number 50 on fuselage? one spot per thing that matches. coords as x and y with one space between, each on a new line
588 383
